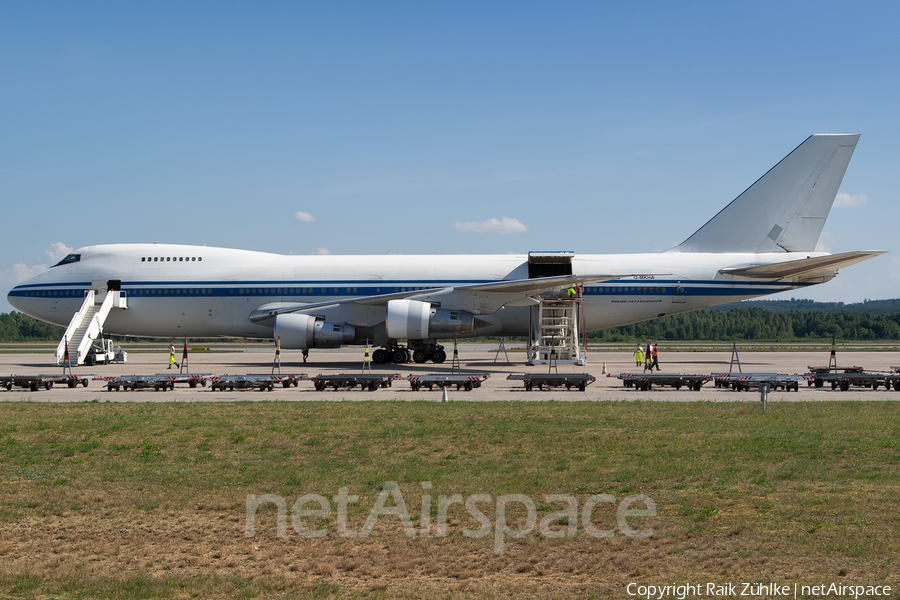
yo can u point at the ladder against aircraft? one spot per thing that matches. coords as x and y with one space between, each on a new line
556 326
558 319
86 325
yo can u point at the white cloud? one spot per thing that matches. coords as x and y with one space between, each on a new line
19 272
322 251
503 226
57 251
825 240
850 200
304 217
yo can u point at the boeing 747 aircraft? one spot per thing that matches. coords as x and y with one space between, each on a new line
763 242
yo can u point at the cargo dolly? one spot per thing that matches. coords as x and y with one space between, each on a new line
579 381
160 381
257 382
646 381
844 381
35 382
461 381
350 381
743 382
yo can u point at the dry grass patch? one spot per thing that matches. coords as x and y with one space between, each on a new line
148 501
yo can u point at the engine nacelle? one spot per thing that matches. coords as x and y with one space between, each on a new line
299 332
415 320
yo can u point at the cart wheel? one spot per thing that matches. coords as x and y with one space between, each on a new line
582 387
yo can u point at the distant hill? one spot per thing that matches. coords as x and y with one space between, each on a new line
874 307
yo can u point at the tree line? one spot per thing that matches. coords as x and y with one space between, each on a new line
759 324
736 324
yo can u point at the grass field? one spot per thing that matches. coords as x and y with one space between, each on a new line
149 500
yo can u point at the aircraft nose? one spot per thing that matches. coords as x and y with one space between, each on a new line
13 300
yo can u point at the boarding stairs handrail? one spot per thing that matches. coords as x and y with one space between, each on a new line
85 327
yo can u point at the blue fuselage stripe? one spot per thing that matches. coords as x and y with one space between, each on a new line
363 288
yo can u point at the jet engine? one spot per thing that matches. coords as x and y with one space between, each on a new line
298 332
415 320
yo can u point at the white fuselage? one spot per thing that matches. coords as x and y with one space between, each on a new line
198 291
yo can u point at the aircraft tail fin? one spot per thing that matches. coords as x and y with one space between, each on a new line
785 210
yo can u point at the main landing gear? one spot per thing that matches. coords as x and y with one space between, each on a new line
419 353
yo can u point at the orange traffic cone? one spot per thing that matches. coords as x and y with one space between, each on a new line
605 372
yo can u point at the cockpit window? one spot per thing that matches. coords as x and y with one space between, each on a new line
72 258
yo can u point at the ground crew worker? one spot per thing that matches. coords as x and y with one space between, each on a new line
571 292
638 356
648 358
655 357
172 355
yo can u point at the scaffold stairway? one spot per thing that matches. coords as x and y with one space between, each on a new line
555 331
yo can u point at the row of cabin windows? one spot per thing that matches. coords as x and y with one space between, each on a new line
171 258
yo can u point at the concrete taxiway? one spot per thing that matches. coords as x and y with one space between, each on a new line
474 358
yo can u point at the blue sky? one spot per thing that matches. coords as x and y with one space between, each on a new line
422 127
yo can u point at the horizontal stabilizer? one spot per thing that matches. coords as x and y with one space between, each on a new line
806 267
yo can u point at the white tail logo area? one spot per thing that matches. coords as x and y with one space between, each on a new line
785 210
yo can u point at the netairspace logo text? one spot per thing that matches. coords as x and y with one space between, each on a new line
478 506
755 590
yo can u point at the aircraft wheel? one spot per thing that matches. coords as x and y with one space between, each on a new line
380 356
399 356
419 357
438 356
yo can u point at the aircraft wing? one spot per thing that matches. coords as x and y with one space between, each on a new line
807 267
478 298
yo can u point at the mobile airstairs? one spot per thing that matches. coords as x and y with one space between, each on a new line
87 324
